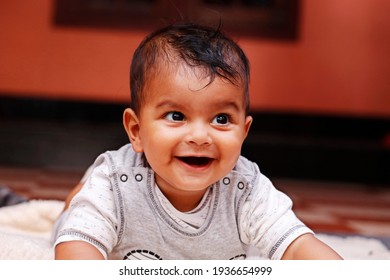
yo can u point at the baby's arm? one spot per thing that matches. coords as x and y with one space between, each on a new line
308 247
89 216
268 223
77 250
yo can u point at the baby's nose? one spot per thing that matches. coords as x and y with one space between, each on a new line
199 134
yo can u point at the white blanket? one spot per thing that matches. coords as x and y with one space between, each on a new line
25 233
25 230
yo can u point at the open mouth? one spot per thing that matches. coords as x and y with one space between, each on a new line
196 161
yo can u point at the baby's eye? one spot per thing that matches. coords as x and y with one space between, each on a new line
221 119
175 116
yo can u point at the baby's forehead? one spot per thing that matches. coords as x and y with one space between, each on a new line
181 77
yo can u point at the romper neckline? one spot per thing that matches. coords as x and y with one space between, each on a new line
213 192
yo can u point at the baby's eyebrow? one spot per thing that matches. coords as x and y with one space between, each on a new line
167 103
228 105
219 106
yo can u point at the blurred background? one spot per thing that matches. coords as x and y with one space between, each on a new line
320 91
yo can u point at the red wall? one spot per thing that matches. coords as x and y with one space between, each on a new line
339 65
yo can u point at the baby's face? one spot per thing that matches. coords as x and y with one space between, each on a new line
191 132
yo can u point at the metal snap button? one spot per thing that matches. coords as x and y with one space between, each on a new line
226 180
124 178
138 177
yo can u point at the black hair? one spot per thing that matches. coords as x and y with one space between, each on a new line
197 46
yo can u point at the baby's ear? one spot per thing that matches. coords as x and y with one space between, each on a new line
248 123
131 124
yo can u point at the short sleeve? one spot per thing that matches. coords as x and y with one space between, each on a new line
87 173
91 216
267 221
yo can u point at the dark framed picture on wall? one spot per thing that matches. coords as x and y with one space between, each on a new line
273 19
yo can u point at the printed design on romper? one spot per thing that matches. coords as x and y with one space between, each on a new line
239 257
141 255
149 255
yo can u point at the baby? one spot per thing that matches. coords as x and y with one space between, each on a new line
181 189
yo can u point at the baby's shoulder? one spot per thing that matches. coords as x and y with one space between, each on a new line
125 156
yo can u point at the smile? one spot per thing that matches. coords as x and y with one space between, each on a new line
196 161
